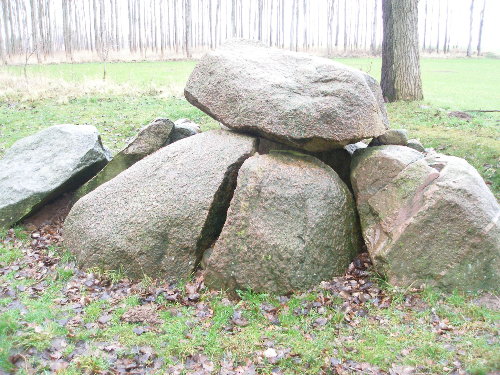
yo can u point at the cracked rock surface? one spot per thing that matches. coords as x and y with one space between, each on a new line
427 219
304 101
157 217
291 224
44 165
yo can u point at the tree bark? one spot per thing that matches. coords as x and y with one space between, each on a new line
345 25
445 50
337 26
400 51
373 45
3 55
481 22
425 24
438 25
469 47
187 34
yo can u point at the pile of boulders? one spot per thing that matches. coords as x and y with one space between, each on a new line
304 176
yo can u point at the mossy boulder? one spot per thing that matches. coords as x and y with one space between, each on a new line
38 168
427 220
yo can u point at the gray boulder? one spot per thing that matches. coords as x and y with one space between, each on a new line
352 148
42 166
184 128
339 159
427 220
291 224
157 217
397 137
307 102
416 145
149 139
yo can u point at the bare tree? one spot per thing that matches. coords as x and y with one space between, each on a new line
445 49
425 24
481 22
469 47
400 51
345 25
337 26
373 44
438 25
187 34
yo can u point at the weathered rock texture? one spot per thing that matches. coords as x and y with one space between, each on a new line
397 137
291 224
304 101
183 128
149 139
427 220
158 216
38 168
339 159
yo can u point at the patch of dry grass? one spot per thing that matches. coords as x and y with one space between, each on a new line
17 88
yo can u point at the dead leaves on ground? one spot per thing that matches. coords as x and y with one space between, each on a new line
341 301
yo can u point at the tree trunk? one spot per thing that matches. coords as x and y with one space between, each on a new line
337 26
162 30
233 18
34 31
345 25
3 54
297 25
438 25
425 24
187 34
117 29
469 47
217 20
446 27
260 10
400 51
481 22
373 45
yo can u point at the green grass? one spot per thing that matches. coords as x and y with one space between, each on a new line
386 336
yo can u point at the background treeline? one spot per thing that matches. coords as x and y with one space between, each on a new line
176 28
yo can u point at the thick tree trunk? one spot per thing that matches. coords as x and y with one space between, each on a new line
481 22
469 47
400 51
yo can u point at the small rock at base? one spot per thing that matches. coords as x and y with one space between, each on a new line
398 137
416 145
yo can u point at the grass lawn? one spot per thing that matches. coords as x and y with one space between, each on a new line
56 318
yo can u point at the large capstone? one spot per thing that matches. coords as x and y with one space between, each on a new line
148 140
427 220
291 224
42 166
157 217
304 101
